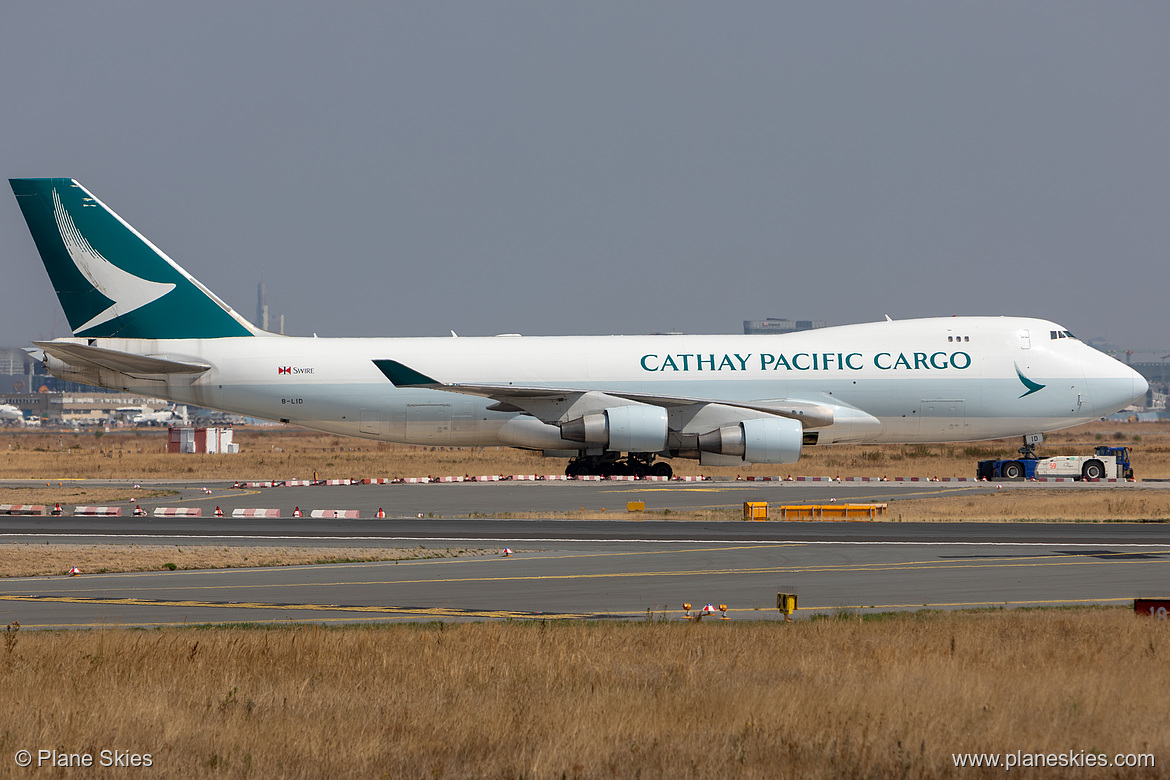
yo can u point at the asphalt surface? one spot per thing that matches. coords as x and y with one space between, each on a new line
617 568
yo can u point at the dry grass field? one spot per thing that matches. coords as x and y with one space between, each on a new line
33 560
837 697
1095 506
69 495
289 453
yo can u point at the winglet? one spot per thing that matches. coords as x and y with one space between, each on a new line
403 376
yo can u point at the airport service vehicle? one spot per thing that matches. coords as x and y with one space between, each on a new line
612 404
1104 463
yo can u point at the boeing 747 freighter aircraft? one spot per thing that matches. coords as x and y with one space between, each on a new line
613 404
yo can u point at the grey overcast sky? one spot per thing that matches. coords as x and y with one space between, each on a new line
609 167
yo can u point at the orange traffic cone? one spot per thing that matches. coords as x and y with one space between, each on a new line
218 512
56 509
138 511
296 511
380 514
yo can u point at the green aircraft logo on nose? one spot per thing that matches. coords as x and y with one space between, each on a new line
1033 387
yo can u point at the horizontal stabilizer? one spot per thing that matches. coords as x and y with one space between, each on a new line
122 362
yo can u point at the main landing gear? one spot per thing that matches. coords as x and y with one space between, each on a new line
636 464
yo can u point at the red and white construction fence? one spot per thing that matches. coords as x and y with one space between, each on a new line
22 509
177 511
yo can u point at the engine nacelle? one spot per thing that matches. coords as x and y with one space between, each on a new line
637 428
766 440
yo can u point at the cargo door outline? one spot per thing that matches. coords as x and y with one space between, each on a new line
428 422
942 417
371 422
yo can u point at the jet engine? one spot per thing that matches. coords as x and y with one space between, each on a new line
636 428
765 440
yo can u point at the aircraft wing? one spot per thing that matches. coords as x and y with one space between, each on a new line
114 360
538 401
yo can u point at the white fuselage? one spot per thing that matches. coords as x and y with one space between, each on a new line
945 379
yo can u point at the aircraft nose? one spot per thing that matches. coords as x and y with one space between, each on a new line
1140 387
1113 385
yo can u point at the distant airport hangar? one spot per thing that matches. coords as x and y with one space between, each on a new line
775 325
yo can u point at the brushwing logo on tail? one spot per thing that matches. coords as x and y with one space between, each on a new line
127 291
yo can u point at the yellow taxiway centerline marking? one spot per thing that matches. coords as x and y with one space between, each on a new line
432 611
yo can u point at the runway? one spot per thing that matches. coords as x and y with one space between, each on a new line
573 569
487 498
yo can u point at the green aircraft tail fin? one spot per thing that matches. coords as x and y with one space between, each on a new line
111 281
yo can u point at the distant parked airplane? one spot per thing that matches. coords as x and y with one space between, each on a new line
614 404
173 413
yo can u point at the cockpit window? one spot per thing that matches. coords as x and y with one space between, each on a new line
1061 334
1065 333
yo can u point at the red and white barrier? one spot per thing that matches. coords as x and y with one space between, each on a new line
335 513
592 478
103 511
255 513
22 509
177 511
621 477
